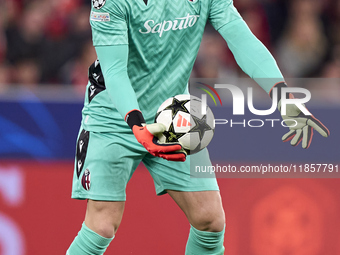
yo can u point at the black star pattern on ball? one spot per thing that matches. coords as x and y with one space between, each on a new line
177 105
171 136
200 125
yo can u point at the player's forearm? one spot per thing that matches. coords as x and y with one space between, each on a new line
113 61
251 55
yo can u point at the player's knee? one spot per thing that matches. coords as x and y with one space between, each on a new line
106 230
103 225
211 222
104 217
212 225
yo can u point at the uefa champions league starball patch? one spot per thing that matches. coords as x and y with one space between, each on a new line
98 4
86 180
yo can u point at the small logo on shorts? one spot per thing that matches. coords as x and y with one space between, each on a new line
85 180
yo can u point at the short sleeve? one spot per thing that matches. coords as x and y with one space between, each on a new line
108 23
222 12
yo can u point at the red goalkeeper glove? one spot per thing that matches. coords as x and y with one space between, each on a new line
147 136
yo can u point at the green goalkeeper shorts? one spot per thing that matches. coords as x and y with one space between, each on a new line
105 162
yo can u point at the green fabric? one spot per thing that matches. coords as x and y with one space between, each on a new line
88 242
251 55
111 159
207 243
113 29
163 38
113 61
222 12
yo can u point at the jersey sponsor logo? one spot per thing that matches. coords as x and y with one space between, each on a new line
100 16
150 26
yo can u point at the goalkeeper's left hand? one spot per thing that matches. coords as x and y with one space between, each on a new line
301 126
147 136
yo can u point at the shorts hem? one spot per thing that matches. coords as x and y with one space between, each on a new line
97 197
185 189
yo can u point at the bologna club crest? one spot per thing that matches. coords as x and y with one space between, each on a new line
85 181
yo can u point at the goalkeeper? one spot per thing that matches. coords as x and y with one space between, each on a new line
146 51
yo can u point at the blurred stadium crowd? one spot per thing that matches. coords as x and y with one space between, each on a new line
49 41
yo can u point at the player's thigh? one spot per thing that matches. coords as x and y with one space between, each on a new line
104 217
180 176
104 165
199 198
203 209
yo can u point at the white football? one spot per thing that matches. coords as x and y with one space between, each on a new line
185 123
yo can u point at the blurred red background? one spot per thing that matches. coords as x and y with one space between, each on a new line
264 216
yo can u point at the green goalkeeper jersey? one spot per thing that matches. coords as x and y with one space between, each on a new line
163 38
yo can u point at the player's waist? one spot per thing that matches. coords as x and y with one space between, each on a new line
95 119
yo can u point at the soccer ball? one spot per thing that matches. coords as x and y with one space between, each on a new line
98 4
185 123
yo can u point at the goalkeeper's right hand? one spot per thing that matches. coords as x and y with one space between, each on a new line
147 136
